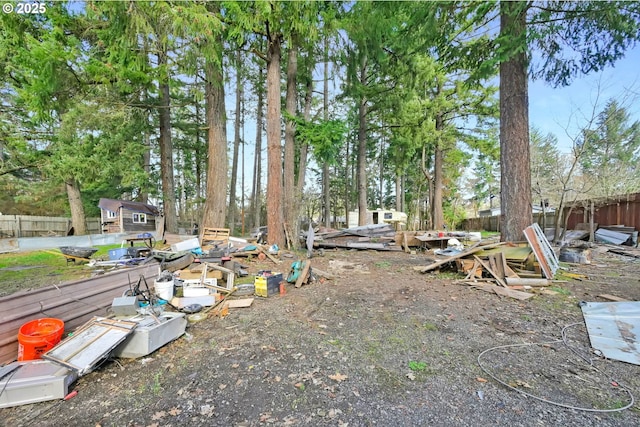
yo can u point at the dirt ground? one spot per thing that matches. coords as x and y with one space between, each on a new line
380 344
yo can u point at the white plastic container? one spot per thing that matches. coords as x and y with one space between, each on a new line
186 245
164 290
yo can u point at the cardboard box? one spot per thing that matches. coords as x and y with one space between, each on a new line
188 274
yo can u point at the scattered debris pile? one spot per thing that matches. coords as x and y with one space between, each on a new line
507 269
209 276
197 278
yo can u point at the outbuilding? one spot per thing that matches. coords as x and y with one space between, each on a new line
124 216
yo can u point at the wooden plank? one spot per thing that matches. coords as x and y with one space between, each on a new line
195 274
303 275
240 303
486 267
515 253
508 272
268 255
511 293
506 292
612 298
462 254
217 304
89 345
230 274
323 273
211 235
472 271
497 264
512 281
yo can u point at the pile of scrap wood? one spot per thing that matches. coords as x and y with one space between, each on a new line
379 237
502 268
410 240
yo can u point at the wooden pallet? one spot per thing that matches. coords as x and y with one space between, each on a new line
212 237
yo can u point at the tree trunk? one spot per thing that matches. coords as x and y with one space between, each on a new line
275 216
236 146
348 180
326 194
216 194
199 173
290 195
515 195
381 174
198 157
256 192
302 162
146 159
78 219
399 194
166 150
362 149
428 178
437 213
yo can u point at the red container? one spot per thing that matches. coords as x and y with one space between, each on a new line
38 336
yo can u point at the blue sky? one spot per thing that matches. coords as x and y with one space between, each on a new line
565 110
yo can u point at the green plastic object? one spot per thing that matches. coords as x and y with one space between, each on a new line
296 271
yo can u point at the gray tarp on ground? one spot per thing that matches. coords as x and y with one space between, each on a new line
613 329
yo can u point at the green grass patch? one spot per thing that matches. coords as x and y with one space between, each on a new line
35 269
417 366
383 264
429 326
561 291
450 275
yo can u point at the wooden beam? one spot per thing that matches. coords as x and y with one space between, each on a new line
512 281
490 271
303 275
462 254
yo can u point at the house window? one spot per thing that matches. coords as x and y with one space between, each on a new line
139 218
111 215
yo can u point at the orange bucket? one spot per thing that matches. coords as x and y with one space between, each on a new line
38 336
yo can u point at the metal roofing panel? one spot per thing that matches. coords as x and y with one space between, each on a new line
610 236
73 302
613 329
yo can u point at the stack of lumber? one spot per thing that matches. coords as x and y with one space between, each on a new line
505 269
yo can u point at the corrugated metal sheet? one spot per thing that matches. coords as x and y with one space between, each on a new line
613 329
74 303
37 243
608 236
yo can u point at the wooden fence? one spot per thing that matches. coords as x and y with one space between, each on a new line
492 223
41 226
